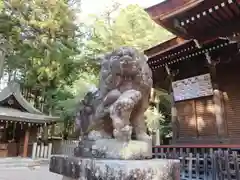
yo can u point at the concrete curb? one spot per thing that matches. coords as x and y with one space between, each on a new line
13 163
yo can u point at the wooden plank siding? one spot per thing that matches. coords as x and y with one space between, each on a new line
187 119
196 118
205 117
230 86
232 109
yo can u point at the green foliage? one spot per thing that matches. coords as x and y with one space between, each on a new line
131 27
41 43
66 107
153 118
158 115
164 107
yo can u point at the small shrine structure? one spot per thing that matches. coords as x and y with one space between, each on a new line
19 123
200 68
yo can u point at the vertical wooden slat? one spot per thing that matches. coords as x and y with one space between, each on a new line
162 153
34 150
42 150
227 167
183 165
213 165
190 165
38 151
168 151
211 150
205 168
195 150
181 152
175 155
236 165
49 150
197 167
219 164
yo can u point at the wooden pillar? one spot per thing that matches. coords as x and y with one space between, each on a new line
218 103
174 118
175 127
158 134
217 95
45 132
26 139
52 129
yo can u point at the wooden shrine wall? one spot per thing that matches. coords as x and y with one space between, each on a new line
196 118
229 80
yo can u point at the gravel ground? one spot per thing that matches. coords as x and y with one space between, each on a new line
23 173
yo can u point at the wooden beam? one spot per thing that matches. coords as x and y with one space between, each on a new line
155 50
174 118
174 12
26 139
204 13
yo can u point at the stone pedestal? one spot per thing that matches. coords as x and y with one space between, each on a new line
73 168
114 149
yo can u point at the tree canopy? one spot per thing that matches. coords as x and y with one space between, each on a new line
131 26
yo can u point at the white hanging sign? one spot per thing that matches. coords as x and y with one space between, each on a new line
194 87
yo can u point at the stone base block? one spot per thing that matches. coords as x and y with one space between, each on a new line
114 149
73 168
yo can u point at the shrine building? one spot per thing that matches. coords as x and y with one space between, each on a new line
200 68
19 123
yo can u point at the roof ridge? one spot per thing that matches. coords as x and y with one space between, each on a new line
13 88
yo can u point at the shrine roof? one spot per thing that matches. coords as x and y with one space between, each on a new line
25 111
164 45
188 49
10 114
198 19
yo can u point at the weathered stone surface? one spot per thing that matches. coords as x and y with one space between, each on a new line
114 149
93 169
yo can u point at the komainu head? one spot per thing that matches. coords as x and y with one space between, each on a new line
125 61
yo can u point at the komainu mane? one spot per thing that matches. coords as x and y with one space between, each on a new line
116 109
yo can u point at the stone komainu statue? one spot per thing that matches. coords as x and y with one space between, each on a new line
116 108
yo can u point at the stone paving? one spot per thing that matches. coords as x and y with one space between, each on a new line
28 173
